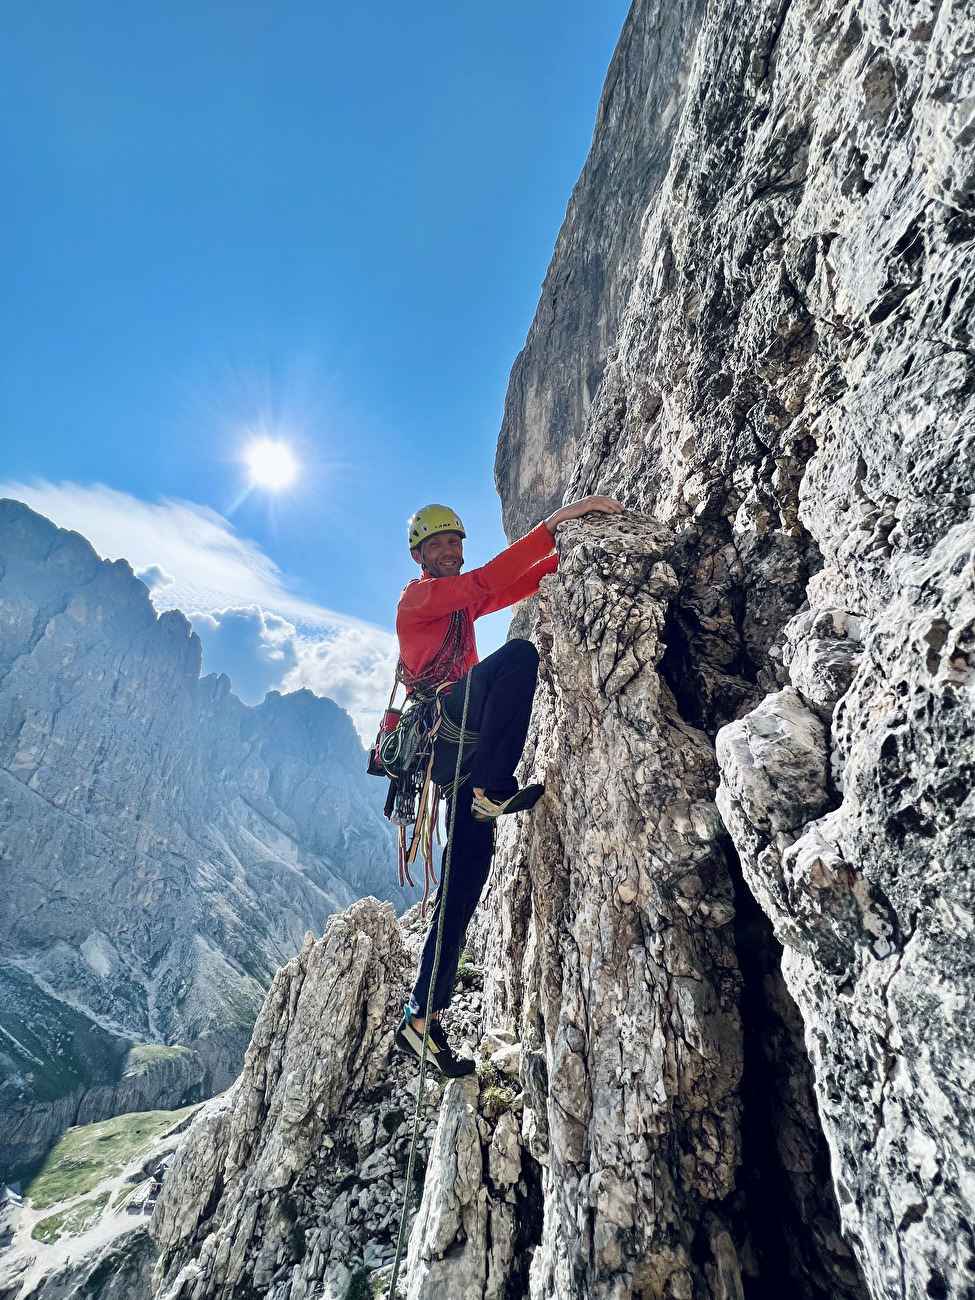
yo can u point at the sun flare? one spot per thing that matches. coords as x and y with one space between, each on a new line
271 464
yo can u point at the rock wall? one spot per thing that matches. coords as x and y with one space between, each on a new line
667 1103
559 371
628 1006
789 392
268 1191
164 847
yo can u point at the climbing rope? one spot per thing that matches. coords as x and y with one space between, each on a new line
444 883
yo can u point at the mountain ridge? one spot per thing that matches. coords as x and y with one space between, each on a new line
165 846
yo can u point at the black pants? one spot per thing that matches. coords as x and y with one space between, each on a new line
499 709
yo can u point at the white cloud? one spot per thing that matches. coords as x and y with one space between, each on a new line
211 564
154 577
252 626
352 668
255 649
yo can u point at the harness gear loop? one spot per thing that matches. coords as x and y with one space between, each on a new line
406 744
414 1141
427 812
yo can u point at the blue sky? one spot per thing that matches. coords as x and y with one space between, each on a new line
323 222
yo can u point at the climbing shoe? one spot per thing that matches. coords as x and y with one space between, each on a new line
487 806
439 1052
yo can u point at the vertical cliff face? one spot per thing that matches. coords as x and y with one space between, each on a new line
628 997
667 1101
789 391
559 371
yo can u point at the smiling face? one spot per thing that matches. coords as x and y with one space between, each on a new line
441 556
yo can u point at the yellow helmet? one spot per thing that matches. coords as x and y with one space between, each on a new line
430 520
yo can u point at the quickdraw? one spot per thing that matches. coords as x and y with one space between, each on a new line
405 747
407 755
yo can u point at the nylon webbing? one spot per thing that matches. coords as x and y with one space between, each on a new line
444 884
451 733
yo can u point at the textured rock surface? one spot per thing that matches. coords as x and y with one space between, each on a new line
475 1230
789 390
291 1183
873 901
559 371
627 983
163 846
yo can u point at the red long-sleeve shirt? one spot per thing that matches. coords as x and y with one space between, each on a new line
424 609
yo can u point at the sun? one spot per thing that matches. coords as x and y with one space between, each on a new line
271 464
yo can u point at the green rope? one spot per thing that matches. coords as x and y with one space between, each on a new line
444 879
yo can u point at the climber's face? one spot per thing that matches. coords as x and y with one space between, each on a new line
441 556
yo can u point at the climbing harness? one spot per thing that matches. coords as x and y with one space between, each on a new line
445 880
407 755
405 747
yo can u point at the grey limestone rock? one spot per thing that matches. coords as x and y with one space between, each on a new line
874 903
239 1188
624 979
454 1206
293 1182
786 384
822 650
559 371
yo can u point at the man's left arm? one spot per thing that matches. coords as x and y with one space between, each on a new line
523 587
527 584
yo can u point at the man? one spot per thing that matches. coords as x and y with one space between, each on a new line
435 626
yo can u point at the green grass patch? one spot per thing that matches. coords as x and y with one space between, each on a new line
72 1222
469 976
86 1155
498 1098
145 1055
46 1047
